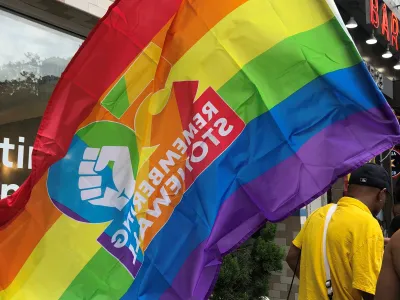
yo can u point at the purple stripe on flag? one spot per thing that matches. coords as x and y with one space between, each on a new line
330 154
65 210
124 255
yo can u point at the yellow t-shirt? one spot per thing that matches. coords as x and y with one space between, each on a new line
354 247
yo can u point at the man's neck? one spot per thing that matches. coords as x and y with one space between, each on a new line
363 200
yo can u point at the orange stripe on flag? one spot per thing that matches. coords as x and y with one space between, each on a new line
193 21
25 232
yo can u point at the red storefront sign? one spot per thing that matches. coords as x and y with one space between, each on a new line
390 30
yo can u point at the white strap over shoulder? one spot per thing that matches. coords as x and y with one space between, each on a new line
328 281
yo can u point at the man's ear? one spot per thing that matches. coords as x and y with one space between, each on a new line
382 195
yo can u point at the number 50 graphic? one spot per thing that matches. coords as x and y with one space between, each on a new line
136 86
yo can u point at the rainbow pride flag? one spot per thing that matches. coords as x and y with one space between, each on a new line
179 129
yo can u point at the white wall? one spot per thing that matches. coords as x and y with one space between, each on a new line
317 203
95 7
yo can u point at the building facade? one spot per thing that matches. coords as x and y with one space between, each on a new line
40 38
94 7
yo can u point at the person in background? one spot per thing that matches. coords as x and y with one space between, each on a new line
395 223
354 243
396 207
394 226
388 287
385 239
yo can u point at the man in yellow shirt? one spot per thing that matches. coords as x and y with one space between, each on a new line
354 241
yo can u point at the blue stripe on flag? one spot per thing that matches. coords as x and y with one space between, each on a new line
324 101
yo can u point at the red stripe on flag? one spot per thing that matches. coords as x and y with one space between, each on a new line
117 39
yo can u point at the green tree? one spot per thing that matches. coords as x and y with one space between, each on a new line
245 273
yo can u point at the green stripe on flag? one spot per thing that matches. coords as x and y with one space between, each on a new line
287 67
117 102
102 278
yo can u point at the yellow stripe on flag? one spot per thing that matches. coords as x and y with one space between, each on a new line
241 36
142 71
58 258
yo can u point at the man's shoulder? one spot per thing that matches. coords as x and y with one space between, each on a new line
363 229
317 217
322 211
363 226
366 222
393 251
356 217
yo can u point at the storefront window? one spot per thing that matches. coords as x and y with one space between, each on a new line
32 58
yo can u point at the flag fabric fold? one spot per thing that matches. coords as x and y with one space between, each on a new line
178 129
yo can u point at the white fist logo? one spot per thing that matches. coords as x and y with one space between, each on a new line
90 183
